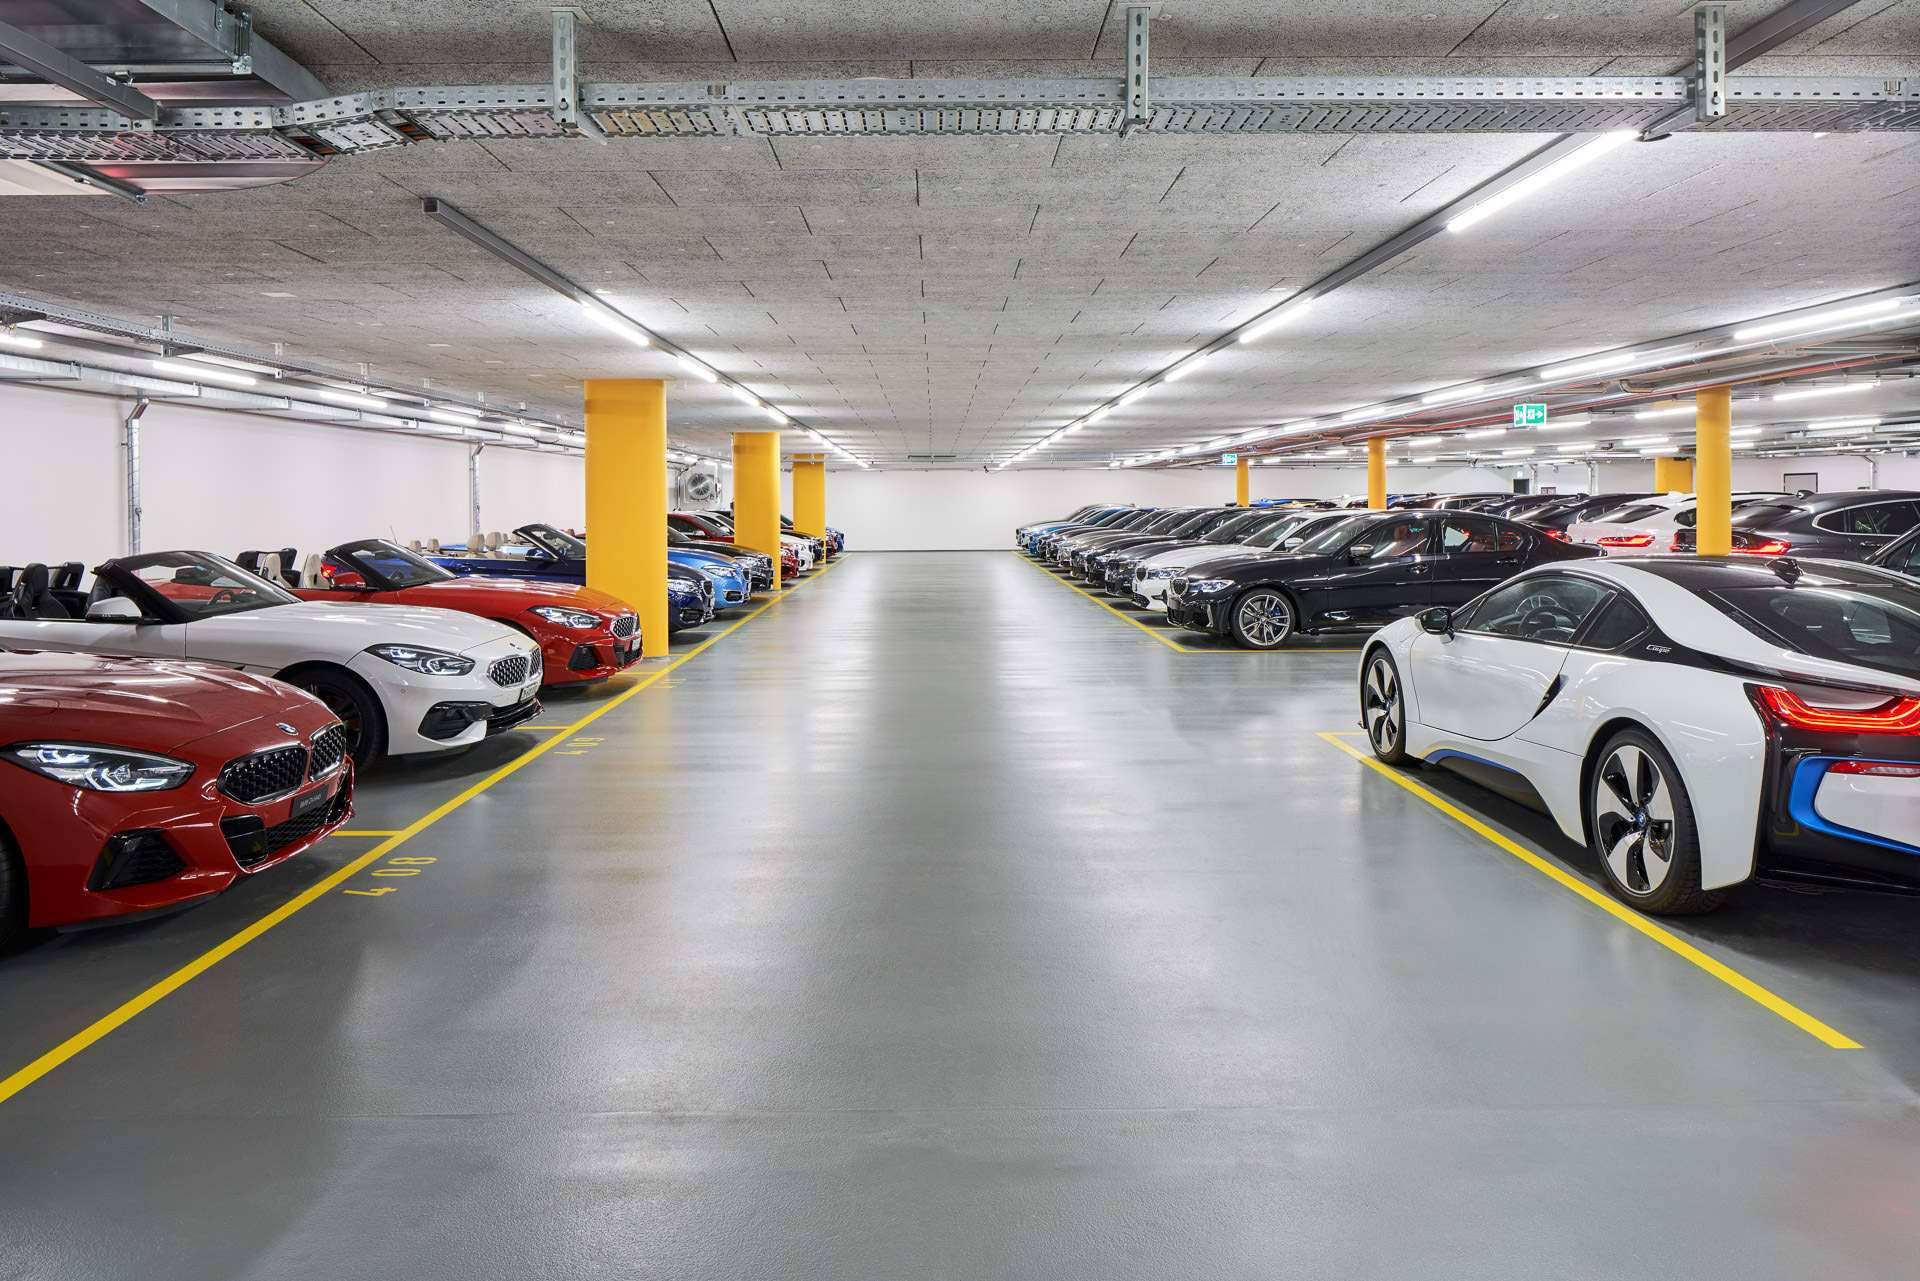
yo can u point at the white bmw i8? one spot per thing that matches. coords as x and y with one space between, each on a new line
1695 721
403 679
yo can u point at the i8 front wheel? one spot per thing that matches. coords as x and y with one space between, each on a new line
1383 708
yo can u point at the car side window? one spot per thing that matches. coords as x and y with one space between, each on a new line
1908 562
1392 540
1470 536
1548 607
1619 622
1875 520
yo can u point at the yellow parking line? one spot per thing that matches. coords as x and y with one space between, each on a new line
100 1027
1613 907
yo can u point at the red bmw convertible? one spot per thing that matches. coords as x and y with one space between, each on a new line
130 787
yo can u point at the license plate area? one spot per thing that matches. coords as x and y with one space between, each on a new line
308 802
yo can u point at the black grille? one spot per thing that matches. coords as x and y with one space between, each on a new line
735 597
623 626
329 749
264 775
135 858
253 842
509 671
1178 586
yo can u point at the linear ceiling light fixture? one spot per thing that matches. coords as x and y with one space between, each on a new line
1805 325
11 338
181 369
1574 160
604 313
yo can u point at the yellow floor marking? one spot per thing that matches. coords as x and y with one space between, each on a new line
99 1028
1116 612
1612 906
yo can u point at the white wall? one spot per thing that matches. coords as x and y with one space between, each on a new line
893 510
225 482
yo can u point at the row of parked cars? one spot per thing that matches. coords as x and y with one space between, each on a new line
1695 721
177 720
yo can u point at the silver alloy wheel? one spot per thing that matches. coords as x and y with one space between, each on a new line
1381 707
1265 618
1633 818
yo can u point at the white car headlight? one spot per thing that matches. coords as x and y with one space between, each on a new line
1164 571
578 618
428 662
100 769
1210 585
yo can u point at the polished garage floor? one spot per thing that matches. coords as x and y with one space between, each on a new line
939 922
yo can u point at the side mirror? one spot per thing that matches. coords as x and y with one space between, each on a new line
348 581
1358 553
539 553
114 609
1437 621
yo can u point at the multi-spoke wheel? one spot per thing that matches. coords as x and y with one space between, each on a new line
356 706
1262 619
1642 828
1383 711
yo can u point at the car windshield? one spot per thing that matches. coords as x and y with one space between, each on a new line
554 541
1280 530
1333 537
1182 523
388 564
1230 531
1875 625
1631 512
197 584
1750 515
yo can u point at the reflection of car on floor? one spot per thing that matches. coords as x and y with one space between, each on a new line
1694 721
583 634
402 679
1358 573
557 556
130 787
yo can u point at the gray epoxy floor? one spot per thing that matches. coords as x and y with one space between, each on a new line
938 923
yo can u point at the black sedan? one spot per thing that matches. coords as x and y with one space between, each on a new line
1360 573
1851 524
1095 563
1239 526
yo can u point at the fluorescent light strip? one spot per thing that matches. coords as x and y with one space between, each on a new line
1823 321
180 369
1452 393
9 338
1274 319
601 314
246 366
1527 186
354 399
1664 413
1808 393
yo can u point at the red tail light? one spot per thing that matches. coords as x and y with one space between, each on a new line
1627 540
1895 716
1877 769
1559 535
1772 547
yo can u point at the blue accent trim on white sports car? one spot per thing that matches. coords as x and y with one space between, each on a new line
1807 777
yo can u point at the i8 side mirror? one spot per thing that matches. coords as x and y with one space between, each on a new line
1438 621
114 609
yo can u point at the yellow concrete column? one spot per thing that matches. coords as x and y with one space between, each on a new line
627 499
1713 470
1242 483
1672 476
810 496
1377 472
756 493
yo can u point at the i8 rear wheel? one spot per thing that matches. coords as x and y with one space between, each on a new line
1643 833
1383 709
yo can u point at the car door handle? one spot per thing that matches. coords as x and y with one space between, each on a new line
1422 569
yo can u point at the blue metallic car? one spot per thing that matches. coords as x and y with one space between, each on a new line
693 590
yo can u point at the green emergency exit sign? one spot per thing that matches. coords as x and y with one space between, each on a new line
1229 458
1529 415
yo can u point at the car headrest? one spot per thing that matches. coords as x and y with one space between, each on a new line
67 577
270 568
288 559
32 597
433 547
249 561
413 546
310 575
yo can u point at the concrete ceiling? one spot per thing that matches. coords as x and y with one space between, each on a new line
963 296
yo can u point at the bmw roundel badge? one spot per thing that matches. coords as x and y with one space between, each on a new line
285 728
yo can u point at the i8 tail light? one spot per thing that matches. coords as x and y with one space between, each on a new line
1899 715
1627 540
1772 547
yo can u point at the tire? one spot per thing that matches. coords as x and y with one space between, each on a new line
1383 707
1641 828
13 892
1261 619
347 697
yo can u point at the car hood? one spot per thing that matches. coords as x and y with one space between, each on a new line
481 592
353 627
1280 563
131 702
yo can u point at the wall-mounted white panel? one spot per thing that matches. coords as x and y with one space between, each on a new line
60 459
